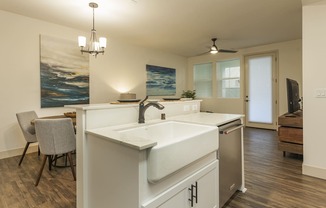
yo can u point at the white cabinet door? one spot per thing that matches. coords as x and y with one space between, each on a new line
180 200
179 196
207 190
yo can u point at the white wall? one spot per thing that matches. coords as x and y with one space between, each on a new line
121 67
314 77
290 66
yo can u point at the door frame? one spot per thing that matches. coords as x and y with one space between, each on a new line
275 88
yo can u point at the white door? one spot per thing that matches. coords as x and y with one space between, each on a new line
261 90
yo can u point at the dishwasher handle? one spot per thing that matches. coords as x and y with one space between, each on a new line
231 129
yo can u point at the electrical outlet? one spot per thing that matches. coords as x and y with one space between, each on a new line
320 93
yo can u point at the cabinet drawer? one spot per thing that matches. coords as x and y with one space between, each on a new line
294 135
290 121
290 147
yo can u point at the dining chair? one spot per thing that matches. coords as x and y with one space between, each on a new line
24 121
55 137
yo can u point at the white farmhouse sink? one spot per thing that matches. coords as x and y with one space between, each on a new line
178 144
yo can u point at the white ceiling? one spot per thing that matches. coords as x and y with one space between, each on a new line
182 27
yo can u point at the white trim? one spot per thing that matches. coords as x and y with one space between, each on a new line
18 151
313 171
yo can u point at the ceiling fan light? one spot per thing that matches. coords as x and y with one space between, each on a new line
214 49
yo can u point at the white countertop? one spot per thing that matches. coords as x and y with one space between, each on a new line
215 119
122 105
111 133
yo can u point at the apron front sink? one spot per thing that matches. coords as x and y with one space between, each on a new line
178 145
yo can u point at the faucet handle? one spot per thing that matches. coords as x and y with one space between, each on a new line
142 102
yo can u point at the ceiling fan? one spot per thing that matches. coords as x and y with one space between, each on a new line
214 49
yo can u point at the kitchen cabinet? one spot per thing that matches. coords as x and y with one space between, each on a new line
198 190
132 189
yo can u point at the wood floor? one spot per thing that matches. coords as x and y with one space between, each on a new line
57 188
271 179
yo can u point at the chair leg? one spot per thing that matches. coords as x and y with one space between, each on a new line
38 150
66 158
23 155
72 165
41 170
50 162
55 160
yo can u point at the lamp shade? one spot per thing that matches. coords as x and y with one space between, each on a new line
81 41
102 41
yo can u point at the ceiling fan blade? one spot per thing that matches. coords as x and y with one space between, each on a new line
226 51
203 53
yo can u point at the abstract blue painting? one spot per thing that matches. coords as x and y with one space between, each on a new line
64 73
160 81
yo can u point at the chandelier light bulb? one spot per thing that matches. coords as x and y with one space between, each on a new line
82 41
102 41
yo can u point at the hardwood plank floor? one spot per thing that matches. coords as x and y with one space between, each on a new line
56 189
271 179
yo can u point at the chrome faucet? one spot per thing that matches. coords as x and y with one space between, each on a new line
143 108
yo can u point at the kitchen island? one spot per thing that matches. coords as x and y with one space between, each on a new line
114 173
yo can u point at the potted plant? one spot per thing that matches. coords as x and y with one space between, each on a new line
188 94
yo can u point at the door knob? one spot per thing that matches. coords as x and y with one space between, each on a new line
247 99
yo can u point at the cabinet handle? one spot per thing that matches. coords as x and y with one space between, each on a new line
191 196
196 195
232 129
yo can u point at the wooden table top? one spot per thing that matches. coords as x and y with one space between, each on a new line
55 117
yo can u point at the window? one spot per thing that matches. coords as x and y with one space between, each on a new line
228 78
203 80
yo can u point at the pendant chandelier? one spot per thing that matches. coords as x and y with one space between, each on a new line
95 46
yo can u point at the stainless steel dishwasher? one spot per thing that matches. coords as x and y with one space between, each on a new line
230 158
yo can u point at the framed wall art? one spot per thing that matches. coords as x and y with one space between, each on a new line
64 73
160 81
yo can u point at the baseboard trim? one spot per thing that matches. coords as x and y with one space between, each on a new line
313 171
19 151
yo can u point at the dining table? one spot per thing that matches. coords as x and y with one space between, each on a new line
55 117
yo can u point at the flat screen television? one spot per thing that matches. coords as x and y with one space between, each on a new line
292 87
